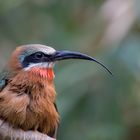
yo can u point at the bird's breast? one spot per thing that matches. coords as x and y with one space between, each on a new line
28 102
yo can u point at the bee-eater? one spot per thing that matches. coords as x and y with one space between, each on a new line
27 92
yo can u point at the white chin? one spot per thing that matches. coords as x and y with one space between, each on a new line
41 65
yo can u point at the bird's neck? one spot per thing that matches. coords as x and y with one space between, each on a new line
46 73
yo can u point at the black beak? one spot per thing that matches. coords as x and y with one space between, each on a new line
62 55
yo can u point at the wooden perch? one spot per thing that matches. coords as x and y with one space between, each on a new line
7 132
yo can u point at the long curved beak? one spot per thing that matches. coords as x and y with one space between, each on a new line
62 55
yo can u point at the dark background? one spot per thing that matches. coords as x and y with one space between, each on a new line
93 105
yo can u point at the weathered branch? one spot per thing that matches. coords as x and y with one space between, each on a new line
9 133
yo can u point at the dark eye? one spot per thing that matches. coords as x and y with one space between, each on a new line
38 55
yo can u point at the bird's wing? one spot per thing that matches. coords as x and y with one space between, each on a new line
56 129
54 133
4 77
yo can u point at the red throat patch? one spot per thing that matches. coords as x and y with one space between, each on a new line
44 72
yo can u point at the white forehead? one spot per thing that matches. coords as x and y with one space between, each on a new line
39 47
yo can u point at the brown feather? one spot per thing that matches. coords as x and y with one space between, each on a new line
28 102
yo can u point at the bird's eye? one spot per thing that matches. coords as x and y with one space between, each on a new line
38 55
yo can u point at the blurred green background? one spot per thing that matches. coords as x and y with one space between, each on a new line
93 105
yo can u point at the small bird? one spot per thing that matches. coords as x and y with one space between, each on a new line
27 91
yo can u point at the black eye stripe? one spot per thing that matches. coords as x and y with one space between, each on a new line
36 57
41 54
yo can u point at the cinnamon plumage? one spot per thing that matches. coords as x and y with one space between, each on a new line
27 92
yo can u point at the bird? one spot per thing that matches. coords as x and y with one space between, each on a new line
27 90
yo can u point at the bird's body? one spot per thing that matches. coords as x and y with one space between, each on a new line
27 97
27 92
28 102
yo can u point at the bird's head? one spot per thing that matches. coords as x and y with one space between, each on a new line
40 59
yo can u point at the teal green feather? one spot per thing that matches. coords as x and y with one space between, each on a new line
4 77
